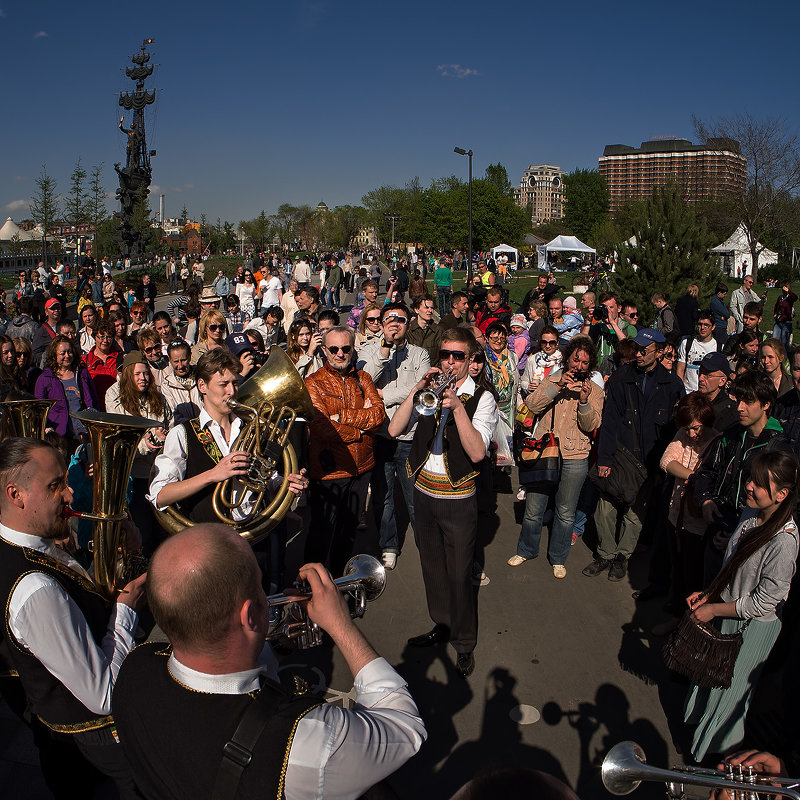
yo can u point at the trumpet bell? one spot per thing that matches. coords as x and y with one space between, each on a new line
622 768
368 573
279 382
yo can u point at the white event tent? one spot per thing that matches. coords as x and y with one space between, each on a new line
569 244
735 252
506 250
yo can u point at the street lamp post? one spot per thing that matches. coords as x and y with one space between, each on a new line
462 152
394 218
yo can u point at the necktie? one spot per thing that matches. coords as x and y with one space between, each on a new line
438 440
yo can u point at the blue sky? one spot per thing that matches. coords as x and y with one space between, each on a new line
320 100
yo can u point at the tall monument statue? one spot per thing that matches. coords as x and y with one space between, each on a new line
133 233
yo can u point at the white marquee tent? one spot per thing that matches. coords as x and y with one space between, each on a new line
10 230
506 250
735 253
569 244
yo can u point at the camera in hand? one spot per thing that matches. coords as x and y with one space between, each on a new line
600 314
581 376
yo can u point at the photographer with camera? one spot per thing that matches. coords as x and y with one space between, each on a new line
605 327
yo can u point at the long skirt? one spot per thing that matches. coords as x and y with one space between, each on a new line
719 713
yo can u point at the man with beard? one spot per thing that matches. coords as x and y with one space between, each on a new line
63 637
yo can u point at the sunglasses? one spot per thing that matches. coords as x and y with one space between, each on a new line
215 327
137 313
151 349
549 341
456 355
374 319
633 314
394 318
333 349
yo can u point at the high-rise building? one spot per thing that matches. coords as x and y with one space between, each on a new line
541 189
703 171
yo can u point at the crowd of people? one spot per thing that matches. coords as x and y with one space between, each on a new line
689 425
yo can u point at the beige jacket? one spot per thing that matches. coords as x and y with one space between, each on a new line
574 423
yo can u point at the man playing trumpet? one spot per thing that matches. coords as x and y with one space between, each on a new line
445 452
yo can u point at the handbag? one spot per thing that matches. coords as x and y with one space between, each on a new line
702 654
539 460
628 473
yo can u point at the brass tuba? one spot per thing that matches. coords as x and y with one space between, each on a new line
269 401
27 417
114 439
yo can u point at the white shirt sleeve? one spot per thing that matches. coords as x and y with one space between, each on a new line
46 621
170 463
338 753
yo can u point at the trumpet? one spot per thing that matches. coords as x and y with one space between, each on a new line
364 580
428 400
625 767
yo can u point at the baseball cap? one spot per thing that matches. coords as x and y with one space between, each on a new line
239 343
52 302
647 336
715 362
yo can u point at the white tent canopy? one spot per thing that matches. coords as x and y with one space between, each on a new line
737 256
10 230
570 244
507 250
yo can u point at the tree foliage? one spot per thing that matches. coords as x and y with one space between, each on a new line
497 175
259 231
44 205
671 251
586 202
97 197
76 203
772 151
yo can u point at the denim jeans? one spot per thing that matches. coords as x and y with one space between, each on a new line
390 463
173 283
573 473
443 295
783 332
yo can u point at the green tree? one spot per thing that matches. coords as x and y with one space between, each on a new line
227 239
344 224
258 231
184 217
497 175
671 250
76 203
97 197
104 241
44 206
380 202
586 201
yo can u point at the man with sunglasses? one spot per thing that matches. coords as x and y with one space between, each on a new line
395 366
445 451
349 411
637 413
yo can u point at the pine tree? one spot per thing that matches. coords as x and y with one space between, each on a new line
45 206
669 251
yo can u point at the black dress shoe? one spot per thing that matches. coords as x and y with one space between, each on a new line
596 567
465 664
439 635
650 592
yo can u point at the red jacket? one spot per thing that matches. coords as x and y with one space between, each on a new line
342 449
103 374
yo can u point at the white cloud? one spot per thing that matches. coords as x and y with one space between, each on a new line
15 205
40 35
456 71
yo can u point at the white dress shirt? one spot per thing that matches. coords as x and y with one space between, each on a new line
336 753
47 622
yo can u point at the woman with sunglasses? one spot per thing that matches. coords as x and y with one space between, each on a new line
502 370
211 333
149 343
136 395
570 403
542 363
246 291
668 357
65 380
138 311
27 374
369 325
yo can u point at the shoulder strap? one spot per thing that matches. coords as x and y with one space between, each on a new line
634 429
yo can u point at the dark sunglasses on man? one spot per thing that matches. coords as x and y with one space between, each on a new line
458 355
334 349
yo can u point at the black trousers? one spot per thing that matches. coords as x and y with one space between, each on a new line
336 506
445 530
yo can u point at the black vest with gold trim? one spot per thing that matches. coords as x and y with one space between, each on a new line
47 697
174 736
199 459
458 464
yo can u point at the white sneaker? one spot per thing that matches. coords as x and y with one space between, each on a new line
521 495
559 571
389 560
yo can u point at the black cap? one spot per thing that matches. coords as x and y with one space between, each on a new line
715 362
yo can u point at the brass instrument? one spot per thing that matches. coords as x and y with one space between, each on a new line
114 439
364 579
28 417
624 768
428 400
270 401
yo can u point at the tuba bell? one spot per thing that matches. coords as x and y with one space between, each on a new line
270 402
28 418
114 439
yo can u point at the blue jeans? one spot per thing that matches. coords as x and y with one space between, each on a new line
390 464
783 332
587 503
573 473
443 295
